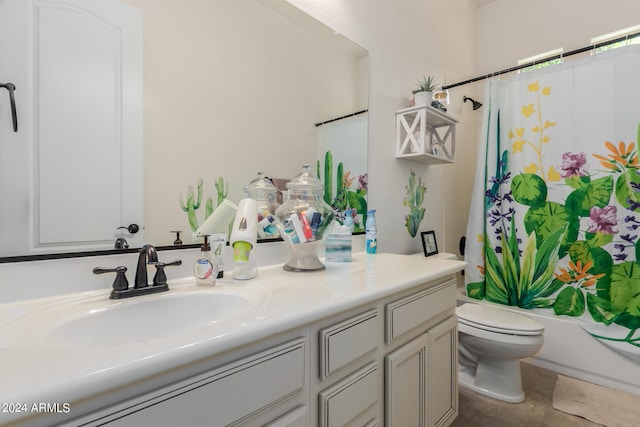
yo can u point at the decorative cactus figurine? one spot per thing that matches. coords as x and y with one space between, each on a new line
413 200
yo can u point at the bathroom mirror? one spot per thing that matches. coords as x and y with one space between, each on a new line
232 88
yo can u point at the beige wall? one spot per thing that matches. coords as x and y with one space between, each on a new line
509 30
232 88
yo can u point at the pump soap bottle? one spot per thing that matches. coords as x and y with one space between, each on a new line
205 269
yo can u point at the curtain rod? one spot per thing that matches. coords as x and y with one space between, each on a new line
549 58
340 118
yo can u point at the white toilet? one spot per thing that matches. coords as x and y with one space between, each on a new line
491 343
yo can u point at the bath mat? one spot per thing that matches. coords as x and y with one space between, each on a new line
602 405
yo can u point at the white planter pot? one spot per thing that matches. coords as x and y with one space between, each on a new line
422 98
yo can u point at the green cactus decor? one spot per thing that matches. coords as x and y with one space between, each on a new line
221 190
328 177
348 200
193 203
413 200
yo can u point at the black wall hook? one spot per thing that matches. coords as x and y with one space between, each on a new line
12 99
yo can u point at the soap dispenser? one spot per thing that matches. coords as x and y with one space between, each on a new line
205 268
243 240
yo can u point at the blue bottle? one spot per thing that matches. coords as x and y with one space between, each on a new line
348 220
371 232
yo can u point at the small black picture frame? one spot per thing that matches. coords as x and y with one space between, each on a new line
429 244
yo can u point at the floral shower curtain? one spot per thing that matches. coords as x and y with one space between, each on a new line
555 216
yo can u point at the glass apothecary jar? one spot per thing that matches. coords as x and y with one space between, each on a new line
262 190
304 221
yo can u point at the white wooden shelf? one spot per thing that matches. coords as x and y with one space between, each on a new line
425 134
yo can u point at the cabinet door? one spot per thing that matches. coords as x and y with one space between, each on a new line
406 388
443 372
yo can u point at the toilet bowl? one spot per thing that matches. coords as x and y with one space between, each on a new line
491 342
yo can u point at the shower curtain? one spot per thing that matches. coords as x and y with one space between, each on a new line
555 217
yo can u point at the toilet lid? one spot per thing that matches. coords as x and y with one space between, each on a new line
497 320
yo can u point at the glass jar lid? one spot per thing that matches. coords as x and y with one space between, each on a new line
306 181
261 185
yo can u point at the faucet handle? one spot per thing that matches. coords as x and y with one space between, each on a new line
120 283
160 277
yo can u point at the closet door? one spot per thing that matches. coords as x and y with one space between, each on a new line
72 173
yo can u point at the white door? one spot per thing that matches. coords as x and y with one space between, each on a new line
73 172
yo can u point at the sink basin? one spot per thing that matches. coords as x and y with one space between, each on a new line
100 322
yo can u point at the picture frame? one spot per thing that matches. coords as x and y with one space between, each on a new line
429 244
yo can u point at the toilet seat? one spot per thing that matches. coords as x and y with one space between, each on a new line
497 320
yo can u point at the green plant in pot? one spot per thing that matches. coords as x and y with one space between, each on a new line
424 90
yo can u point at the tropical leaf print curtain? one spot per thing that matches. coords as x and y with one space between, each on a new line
555 216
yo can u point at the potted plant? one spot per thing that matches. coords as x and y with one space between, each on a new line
423 92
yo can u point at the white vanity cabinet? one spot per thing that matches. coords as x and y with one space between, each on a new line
247 392
339 351
394 364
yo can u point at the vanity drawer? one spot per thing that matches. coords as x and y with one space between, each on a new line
346 342
229 395
410 312
349 399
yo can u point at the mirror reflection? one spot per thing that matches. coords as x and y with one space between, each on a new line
230 89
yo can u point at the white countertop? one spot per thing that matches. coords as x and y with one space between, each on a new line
282 301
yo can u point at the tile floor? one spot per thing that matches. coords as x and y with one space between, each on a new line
477 410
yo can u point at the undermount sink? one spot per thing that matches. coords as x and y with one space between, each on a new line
100 322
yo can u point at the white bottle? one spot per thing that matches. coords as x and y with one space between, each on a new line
243 238
205 268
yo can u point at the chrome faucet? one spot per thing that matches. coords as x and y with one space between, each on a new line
147 256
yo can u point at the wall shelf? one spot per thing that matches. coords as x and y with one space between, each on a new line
425 134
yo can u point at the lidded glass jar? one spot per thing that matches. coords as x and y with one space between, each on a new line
305 221
262 190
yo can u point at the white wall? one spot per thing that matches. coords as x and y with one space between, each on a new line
406 39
